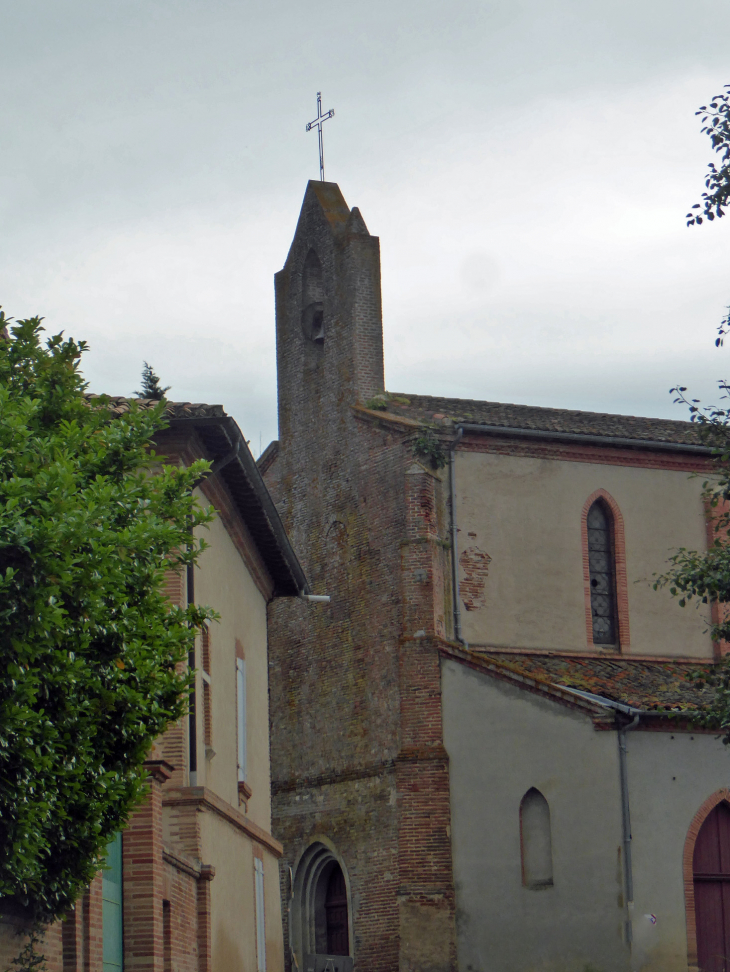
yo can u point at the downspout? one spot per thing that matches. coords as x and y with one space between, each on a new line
454 539
624 777
626 823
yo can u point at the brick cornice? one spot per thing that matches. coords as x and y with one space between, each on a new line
607 454
159 769
328 779
200 798
181 863
566 653
422 754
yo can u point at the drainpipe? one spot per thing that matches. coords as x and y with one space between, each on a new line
626 822
454 538
624 775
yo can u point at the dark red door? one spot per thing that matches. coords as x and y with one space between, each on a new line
335 905
711 866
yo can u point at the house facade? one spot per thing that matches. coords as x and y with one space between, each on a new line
192 883
483 752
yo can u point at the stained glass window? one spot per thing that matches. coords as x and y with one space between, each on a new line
602 574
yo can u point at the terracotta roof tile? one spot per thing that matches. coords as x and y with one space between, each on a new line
656 686
447 411
174 410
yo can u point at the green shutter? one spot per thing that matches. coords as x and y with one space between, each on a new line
112 907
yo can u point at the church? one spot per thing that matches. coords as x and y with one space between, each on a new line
483 756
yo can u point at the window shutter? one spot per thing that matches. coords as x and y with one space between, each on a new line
260 921
241 713
111 883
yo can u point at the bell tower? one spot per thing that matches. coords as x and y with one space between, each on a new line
329 330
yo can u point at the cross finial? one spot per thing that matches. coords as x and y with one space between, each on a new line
318 124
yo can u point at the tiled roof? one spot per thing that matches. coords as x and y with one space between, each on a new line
447 411
173 410
232 461
657 686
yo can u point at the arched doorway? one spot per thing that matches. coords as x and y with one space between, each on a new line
321 935
335 913
711 879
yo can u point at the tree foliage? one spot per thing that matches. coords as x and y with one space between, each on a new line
91 651
703 577
716 124
151 389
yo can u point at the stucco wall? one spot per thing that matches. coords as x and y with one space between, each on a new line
670 776
525 514
224 583
233 908
501 741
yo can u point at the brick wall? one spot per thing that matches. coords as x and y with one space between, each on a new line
368 529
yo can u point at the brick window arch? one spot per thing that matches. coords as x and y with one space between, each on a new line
607 527
688 868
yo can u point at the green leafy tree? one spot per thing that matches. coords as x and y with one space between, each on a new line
716 124
91 652
702 578
151 385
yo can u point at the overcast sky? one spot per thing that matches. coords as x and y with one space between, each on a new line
527 165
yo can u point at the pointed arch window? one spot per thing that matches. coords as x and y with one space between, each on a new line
536 841
602 573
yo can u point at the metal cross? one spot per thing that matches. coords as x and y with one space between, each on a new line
318 123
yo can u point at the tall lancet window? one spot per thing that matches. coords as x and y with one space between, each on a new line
313 299
602 572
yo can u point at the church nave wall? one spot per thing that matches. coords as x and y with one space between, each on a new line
520 539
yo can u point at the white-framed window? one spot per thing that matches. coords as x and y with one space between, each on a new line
241 716
258 865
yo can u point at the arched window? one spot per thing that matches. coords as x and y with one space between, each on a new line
313 299
602 573
320 925
535 841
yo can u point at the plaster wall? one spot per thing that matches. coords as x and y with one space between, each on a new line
233 905
502 741
525 514
223 582
670 776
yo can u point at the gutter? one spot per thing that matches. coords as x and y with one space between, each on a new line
586 439
625 807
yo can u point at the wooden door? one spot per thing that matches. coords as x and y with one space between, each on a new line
338 937
711 867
